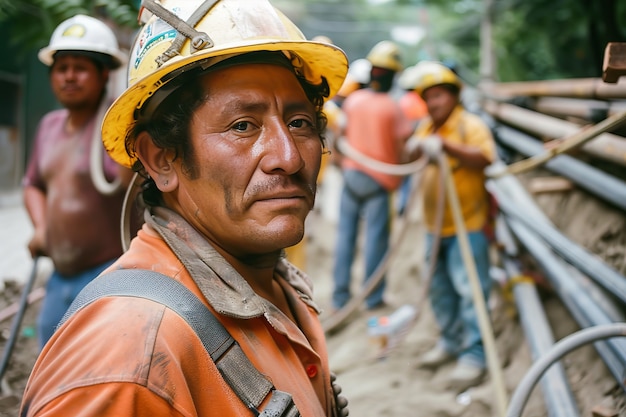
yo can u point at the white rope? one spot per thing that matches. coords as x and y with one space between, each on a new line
386 168
96 161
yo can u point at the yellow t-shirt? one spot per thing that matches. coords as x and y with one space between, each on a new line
468 129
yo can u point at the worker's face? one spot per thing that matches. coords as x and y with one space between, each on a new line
77 82
256 153
440 102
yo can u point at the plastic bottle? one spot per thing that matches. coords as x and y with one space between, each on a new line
400 320
377 331
383 331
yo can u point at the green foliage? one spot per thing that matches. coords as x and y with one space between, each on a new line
31 22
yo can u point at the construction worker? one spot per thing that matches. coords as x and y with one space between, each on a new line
223 121
330 182
72 192
467 143
377 128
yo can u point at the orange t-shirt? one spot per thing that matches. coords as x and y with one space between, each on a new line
413 106
377 128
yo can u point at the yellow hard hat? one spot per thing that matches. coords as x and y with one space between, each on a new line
385 54
207 33
428 74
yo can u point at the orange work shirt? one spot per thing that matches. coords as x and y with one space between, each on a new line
413 106
123 356
376 127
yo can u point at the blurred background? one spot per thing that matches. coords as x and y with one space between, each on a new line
498 40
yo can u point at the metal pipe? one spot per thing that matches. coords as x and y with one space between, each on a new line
606 146
582 307
557 394
597 182
587 109
590 264
576 87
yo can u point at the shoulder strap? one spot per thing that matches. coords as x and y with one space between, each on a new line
246 381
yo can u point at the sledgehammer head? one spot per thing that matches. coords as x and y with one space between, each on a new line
614 65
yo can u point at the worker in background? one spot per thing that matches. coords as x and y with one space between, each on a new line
330 181
228 149
377 128
415 110
467 143
73 197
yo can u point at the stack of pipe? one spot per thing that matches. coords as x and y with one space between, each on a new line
550 249
523 117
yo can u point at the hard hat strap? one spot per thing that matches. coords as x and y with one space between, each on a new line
185 29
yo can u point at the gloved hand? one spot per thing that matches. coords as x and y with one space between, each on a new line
432 146
411 146
340 401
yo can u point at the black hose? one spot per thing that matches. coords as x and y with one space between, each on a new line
17 320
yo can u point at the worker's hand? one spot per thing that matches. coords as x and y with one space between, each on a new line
340 401
37 244
412 147
432 146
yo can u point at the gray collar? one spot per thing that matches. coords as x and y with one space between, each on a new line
224 288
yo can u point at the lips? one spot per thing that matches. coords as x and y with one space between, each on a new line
70 89
283 197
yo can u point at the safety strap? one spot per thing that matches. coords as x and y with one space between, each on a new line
185 29
235 367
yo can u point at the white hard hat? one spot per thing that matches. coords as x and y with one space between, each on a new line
409 77
83 33
225 29
360 71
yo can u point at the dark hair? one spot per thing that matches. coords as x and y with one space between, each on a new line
382 79
454 89
169 124
101 60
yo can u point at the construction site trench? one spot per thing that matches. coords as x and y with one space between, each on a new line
559 265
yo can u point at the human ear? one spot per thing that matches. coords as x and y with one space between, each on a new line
157 162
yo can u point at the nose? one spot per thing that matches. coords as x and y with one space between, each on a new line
281 153
69 73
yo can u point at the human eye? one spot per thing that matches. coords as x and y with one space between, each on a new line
301 123
241 126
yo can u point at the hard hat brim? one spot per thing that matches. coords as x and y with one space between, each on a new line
317 60
46 55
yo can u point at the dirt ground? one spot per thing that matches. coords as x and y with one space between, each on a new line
396 386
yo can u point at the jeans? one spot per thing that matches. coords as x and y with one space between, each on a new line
60 292
361 196
451 296
404 193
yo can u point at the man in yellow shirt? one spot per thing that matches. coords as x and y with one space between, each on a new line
468 144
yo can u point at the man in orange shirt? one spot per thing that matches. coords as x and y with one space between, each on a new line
226 131
377 128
